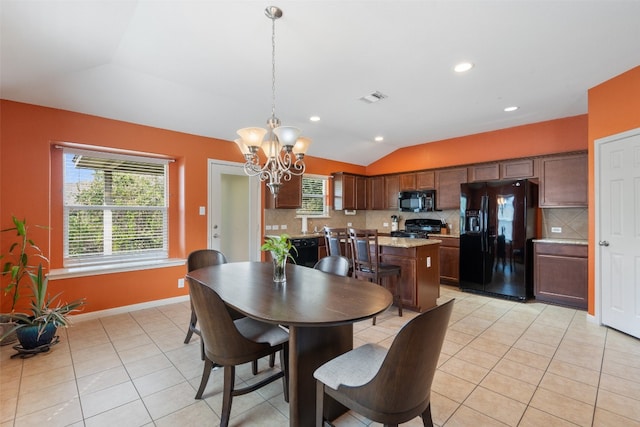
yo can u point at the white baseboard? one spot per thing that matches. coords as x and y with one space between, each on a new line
127 308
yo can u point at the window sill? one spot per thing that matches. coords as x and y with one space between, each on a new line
94 270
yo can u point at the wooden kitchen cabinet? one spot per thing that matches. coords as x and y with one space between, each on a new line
407 181
349 191
376 196
484 172
419 274
518 169
449 259
564 181
289 196
560 273
448 187
322 247
391 189
425 180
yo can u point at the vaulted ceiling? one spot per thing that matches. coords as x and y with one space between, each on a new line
204 67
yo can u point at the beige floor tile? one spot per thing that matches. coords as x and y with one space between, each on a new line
108 398
102 380
621 370
31 383
478 357
528 358
451 386
149 365
46 397
157 381
535 418
496 406
519 371
622 342
138 353
62 414
8 409
621 405
130 414
582 355
535 347
508 386
169 400
562 407
101 362
262 415
465 370
621 357
442 408
620 386
570 388
197 414
605 418
577 373
489 346
471 325
466 417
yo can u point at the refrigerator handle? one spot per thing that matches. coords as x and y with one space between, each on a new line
484 238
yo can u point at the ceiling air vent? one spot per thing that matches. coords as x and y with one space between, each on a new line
373 97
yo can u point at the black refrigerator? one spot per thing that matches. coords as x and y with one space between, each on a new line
497 228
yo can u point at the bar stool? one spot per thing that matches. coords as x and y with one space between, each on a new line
337 243
365 255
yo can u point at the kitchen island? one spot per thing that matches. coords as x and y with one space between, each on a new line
419 261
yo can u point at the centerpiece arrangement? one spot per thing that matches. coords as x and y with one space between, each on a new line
280 248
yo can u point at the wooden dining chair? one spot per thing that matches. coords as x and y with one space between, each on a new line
229 343
334 264
365 256
337 241
388 386
204 258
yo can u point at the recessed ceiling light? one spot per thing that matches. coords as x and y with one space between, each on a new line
379 138
512 108
314 118
462 67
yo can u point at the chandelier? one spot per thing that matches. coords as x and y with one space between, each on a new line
283 146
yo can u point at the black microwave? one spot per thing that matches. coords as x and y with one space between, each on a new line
417 201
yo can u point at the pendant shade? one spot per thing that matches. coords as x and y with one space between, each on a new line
252 137
287 135
301 145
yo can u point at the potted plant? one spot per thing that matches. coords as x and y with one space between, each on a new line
280 248
38 328
16 265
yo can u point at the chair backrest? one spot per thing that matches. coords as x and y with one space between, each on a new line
404 379
223 343
336 240
334 264
204 258
365 252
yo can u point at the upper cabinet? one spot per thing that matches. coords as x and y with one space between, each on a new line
407 181
289 196
349 191
424 180
564 181
392 188
448 187
508 169
376 196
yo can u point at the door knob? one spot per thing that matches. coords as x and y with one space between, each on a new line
216 235
603 243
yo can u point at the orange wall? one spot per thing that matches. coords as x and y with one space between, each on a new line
614 107
31 188
554 136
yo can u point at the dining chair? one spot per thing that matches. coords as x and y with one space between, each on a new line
365 256
337 241
201 258
229 343
334 264
388 386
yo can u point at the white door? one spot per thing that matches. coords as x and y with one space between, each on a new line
618 230
234 212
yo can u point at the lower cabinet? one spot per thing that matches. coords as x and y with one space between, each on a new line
449 259
560 274
420 274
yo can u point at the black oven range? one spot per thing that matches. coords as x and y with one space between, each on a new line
419 228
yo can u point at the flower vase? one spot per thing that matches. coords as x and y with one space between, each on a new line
279 269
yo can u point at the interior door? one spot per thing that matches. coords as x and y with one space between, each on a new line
618 231
234 212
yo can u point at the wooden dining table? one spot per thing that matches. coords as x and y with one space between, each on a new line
318 308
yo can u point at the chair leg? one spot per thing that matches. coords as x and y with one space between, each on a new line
319 404
427 421
254 367
208 366
272 360
192 326
284 365
227 397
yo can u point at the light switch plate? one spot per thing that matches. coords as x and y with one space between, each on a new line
556 229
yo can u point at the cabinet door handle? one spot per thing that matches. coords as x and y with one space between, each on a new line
603 243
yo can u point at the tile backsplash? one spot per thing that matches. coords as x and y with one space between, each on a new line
557 223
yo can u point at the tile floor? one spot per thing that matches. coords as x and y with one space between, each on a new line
502 364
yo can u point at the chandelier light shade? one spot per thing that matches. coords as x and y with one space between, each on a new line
283 146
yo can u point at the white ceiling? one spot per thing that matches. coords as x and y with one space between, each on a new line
204 67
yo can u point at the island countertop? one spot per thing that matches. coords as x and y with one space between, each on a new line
406 242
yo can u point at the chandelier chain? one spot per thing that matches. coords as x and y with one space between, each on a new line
273 68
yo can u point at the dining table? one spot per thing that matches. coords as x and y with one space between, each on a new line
318 308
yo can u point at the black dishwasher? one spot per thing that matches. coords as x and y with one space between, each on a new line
307 251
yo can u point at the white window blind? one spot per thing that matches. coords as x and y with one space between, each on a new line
314 196
115 208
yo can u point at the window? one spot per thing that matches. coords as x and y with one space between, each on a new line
115 208
314 196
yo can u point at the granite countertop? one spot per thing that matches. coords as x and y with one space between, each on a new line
440 235
405 242
562 241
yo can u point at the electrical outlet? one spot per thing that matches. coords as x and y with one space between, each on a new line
428 262
349 224
556 229
267 227
275 227
283 227
385 224
202 210
181 283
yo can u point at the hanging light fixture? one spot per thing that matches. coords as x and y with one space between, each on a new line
283 146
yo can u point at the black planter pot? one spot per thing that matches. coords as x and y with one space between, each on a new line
28 336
